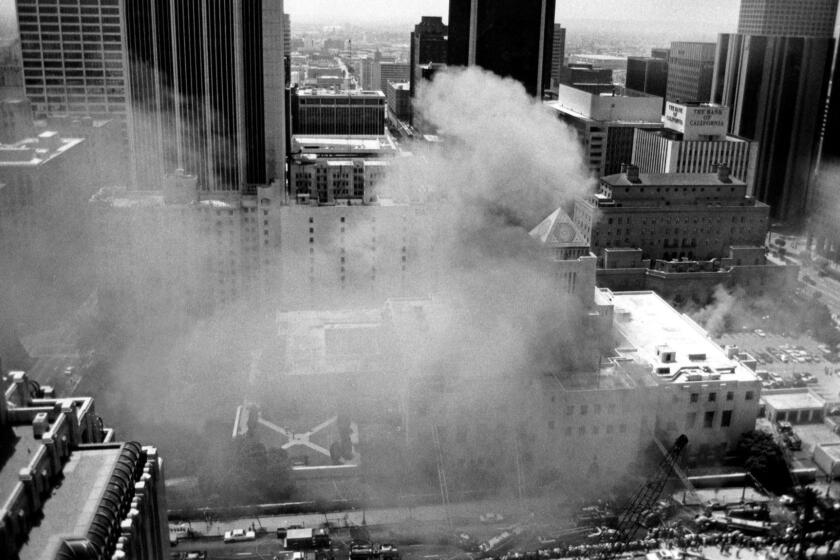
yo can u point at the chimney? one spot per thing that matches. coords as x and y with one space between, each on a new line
40 425
632 173
723 173
624 168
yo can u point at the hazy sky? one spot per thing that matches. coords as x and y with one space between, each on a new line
682 13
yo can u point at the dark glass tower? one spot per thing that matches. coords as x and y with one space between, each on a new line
512 38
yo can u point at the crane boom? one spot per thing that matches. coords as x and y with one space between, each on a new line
644 499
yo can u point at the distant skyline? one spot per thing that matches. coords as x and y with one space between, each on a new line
683 15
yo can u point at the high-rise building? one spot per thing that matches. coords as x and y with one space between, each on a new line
287 35
647 74
506 37
690 68
605 122
783 18
398 96
824 201
694 140
338 113
776 89
68 489
558 53
428 45
199 85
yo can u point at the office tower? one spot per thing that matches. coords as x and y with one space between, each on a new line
199 85
558 53
786 18
824 203
287 35
586 77
338 113
647 74
659 52
605 122
398 96
509 38
68 489
428 44
776 89
384 72
690 68
694 140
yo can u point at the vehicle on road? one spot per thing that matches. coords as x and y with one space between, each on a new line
491 517
760 333
239 535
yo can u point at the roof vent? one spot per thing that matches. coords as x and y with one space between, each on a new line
40 425
723 172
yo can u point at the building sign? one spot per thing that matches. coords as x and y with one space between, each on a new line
697 122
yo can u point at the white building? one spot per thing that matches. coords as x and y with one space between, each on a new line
694 140
606 122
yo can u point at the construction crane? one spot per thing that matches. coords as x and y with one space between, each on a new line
641 503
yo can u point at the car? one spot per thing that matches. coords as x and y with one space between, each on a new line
239 535
491 517
763 375
760 333
775 376
69 370
807 378
787 500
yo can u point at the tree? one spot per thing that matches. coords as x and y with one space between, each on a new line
759 453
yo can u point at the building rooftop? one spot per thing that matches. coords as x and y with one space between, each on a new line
32 152
672 180
792 401
342 144
676 349
326 92
70 510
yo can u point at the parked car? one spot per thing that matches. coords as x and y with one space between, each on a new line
239 535
807 377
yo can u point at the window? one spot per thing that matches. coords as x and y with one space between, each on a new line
712 397
551 424
568 430
726 419
622 428
690 420
749 396
730 395
597 409
709 419
583 409
695 397
570 410
582 431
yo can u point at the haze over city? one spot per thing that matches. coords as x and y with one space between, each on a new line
369 280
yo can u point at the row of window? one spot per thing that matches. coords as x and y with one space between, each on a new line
591 430
712 396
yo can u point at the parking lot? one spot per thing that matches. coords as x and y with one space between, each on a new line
788 357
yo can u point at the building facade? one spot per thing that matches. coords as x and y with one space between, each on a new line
505 37
774 76
338 113
693 140
690 70
398 96
199 86
558 54
384 72
647 74
670 216
807 18
606 122
324 169
111 501
428 45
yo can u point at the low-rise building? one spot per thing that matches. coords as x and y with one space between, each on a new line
325 169
697 216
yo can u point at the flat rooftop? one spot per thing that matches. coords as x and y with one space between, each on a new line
343 143
651 327
672 179
326 92
32 153
792 401
69 511
832 449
